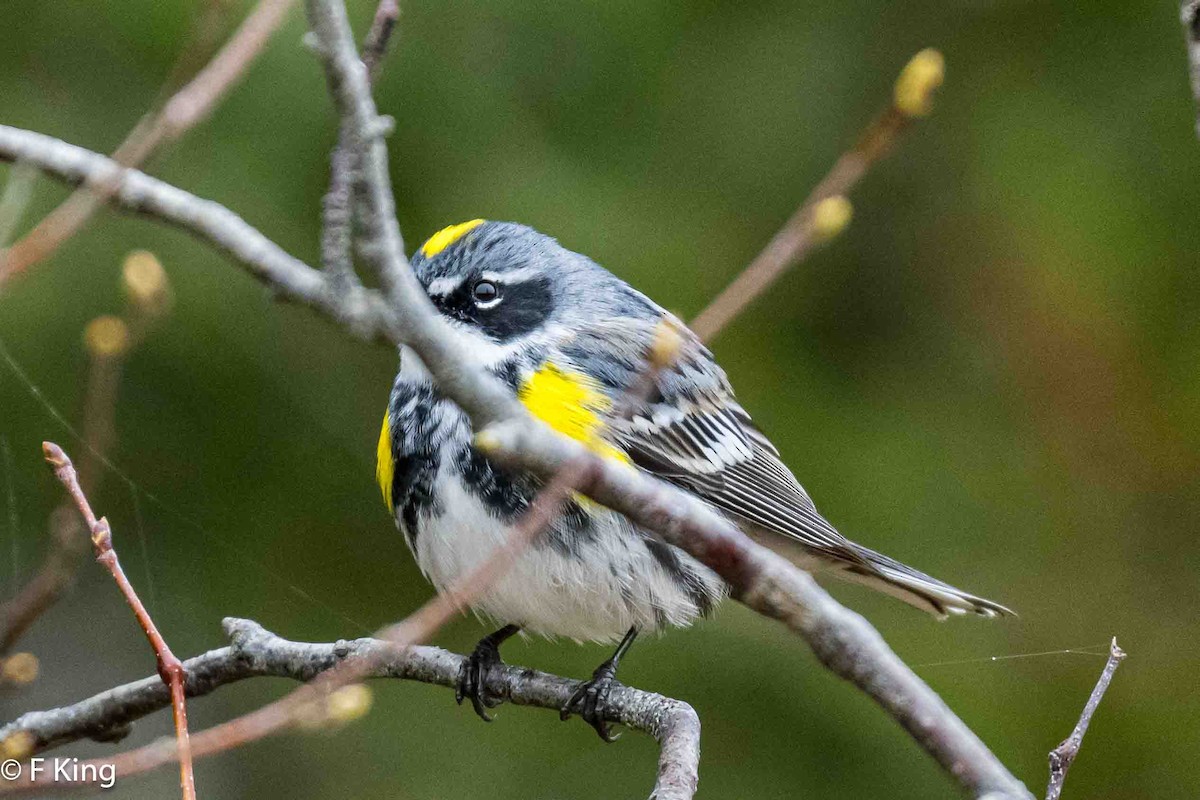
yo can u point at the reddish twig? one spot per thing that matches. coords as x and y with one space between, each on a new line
1062 756
186 108
193 103
379 37
825 211
170 668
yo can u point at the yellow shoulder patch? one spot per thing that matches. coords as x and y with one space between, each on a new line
385 463
448 236
572 404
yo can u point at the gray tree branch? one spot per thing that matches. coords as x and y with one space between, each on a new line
256 652
842 640
337 212
1063 756
363 313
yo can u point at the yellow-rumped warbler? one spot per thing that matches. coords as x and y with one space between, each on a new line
572 340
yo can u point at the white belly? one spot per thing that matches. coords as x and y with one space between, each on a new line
596 592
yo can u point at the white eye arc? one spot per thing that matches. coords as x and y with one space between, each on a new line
486 294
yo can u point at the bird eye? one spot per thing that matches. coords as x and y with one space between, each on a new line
486 293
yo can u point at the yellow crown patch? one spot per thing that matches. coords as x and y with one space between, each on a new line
448 236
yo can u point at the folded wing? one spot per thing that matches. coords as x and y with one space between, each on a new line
693 433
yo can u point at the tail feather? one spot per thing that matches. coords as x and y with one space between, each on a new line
914 587
862 565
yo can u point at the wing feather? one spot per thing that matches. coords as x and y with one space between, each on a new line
694 433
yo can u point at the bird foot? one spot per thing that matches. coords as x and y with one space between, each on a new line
473 676
590 700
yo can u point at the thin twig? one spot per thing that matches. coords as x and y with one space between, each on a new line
337 212
825 211
256 652
337 219
1063 756
349 86
379 38
200 44
363 313
189 106
1189 14
192 104
170 668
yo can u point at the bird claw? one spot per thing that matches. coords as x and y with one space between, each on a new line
590 701
473 679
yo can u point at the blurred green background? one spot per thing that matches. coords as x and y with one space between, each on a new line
991 375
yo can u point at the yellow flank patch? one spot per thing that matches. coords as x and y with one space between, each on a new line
385 464
447 236
572 404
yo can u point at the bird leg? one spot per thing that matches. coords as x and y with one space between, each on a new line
590 699
472 675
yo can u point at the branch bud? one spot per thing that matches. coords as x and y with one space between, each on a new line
348 703
102 537
18 745
913 95
145 282
106 337
668 341
830 217
19 669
